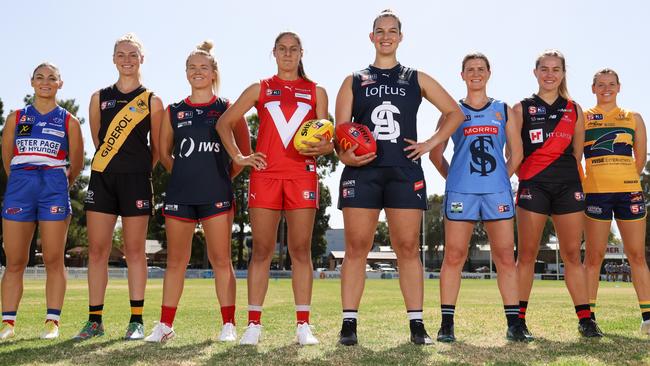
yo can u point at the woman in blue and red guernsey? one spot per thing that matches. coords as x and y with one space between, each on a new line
199 191
283 178
38 141
552 133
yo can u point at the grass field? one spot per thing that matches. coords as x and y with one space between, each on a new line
383 330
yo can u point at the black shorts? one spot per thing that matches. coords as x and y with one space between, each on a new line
551 198
123 194
627 206
383 187
196 213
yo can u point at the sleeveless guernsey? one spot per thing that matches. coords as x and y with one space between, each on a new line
40 139
478 165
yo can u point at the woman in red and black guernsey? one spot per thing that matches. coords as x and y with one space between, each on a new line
199 191
283 179
552 132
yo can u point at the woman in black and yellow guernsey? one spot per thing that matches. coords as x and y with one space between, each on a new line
122 116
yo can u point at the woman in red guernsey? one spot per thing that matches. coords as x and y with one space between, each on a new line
199 190
552 132
283 179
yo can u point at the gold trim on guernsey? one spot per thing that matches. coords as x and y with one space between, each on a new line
119 130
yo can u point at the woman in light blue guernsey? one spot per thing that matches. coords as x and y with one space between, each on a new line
478 189
37 143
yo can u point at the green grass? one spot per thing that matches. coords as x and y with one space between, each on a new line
383 329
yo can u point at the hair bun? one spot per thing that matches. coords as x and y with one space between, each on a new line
205 46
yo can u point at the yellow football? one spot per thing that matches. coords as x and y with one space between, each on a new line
308 130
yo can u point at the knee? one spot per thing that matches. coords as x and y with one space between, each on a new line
594 259
98 253
503 258
301 254
262 252
571 257
454 257
220 261
176 263
408 249
16 265
53 262
134 253
636 257
356 250
526 257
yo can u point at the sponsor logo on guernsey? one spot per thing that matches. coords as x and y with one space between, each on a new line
273 92
498 116
381 91
418 185
594 117
25 130
199 111
57 210
563 110
456 207
348 183
310 167
171 207
41 124
536 135
579 196
368 79
224 204
184 124
468 117
184 115
560 135
27 119
525 194
480 130
13 210
108 104
142 204
348 193
502 208
38 146
596 210
637 209
536 110
51 131
213 113
309 195
303 96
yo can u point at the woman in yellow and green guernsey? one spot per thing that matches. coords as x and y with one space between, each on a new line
615 154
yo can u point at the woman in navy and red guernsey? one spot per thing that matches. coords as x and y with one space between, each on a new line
199 191
283 178
38 141
552 132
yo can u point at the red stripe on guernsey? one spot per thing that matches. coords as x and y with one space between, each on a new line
67 120
16 123
554 146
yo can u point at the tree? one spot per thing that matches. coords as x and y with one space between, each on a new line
382 236
434 229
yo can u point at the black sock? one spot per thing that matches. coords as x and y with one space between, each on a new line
447 314
95 313
584 313
512 314
136 311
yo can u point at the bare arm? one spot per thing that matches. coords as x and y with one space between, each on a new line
343 113
438 96
517 112
227 123
324 146
157 111
8 134
437 156
75 150
243 140
94 118
514 145
579 140
166 142
640 141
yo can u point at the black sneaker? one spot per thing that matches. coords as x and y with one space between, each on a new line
516 333
527 333
418 333
348 333
589 329
446 333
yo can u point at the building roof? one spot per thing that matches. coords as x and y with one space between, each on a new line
340 254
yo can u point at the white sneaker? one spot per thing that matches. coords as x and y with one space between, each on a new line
7 331
161 333
228 333
304 335
50 330
645 327
252 335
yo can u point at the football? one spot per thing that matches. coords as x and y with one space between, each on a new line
350 133
308 130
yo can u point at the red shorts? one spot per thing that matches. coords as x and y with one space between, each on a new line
283 194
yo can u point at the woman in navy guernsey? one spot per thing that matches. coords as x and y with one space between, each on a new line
552 133
478 188
42 153
199 190
284 180
385 96
124 123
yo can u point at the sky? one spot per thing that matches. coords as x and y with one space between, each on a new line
78 36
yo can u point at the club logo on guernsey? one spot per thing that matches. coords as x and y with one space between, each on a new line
386 126
286 129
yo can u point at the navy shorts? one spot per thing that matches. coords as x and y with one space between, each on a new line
37 195
196 213
122 194
551 198
475 207
627 206
383 187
